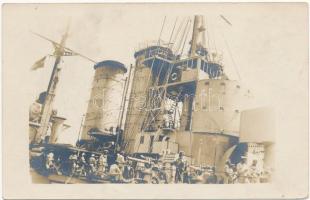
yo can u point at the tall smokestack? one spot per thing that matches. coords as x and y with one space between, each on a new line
106 97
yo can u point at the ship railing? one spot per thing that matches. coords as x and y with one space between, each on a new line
215 56
149 43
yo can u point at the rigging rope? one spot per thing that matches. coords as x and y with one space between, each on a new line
176 20
162 28
232 58
208 35
186 37
212 40
178 31
182 37
158 76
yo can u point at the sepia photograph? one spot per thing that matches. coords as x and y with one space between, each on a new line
167 95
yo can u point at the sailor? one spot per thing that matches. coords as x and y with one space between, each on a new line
73 156
115 173
139 170
112 130
234 174
82 164
254 173
242 171
120 158
199 176
105 159
48 133
186 178
128 172
163 173
112 145
35 111
156 169
166 120
212 178
228 173
180 166
82 159
73 162
172 173
50 161
102 163
92 163
147 172
58 165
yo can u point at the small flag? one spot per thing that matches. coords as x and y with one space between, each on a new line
69 53
66 53
38 64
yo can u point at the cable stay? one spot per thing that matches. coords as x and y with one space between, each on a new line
185 39
67 52
178 31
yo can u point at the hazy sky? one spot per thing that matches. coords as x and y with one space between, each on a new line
262 39
269 43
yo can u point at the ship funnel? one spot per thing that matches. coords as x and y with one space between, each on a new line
106 97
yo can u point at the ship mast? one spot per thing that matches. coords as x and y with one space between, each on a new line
198 42
51 89
194 37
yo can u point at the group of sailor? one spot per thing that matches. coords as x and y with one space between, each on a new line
242 172
77 164
126 169
119 169
186 173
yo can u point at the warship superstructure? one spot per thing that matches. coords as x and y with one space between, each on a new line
191 105
169 102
